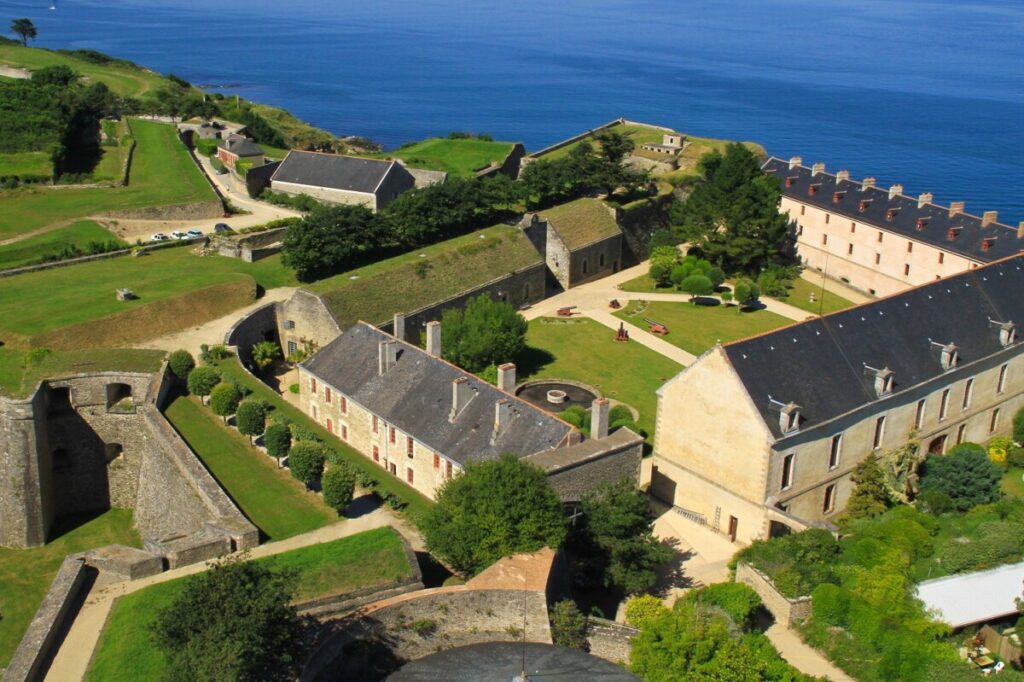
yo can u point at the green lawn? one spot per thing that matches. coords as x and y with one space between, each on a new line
645 285
122 79
459 158
825 301
125 651
26 574
162 173
417 504
50 299
270 497
1013 482
639 134
583 350
25 163
18 380
696 328
33 249
275 153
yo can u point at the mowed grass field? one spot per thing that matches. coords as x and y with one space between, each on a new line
458 158
32 249
583 350
162 173
270 497
26 574
126 652
696 328
122 79
25 163
50 299
17 378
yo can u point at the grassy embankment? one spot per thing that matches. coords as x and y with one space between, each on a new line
459 158
25 163
26 574
162 173
18 379
126 652
30 250
122 78
696 328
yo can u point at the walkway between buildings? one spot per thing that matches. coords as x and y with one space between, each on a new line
802 656
72 659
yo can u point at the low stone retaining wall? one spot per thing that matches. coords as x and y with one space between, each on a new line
98 256
33 654
610 640
195 211
250 247
786 611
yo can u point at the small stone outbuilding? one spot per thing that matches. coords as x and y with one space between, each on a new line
581 241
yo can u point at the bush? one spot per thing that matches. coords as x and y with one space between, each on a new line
339 483
181 363
642 608
1018 426
224 399
966 474
251 417
578 416
829 604
934 502
306 460
796 563
202 380
569 626
278 439
736 599
1015 458
301 432
997 542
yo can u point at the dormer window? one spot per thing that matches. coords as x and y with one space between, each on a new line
949 356
884 379
813 189
790 181
921 222
789 418
1007 332
952 232
891 213
837 197
987 243
864 203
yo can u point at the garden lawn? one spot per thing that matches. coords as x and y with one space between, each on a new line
41 301
416 503
121 78
458 158
639 134
270 497
18 380
827 302
34 249
125 651
162 173
26 163
696 328
645 285
583 350
1013 482
26 574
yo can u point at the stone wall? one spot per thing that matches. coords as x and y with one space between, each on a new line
579 469
638 223
305 318
509 166
610 640
195 211
25 509
258 325
786 611
250 247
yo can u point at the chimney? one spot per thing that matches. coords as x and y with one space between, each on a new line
398 327
925 198
842 175
599 410
1020 230
989 217
955 208
817 168
462 393
794 161
867 182
507 377
387 355
503 414
895 191
434 338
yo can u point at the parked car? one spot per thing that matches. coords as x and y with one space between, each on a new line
221 228
178 234
158 237
194 234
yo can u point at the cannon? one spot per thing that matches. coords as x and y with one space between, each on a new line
566 311
656 327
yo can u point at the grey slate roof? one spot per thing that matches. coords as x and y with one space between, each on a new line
351 173
937 221
242 146
415 395
820 364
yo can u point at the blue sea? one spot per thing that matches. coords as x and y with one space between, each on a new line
928 93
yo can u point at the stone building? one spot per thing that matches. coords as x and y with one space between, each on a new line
238 148
880 241
762 434
339 179
671 144
581 241
423 419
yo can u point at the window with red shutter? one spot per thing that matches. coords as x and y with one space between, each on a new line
344 405
312 384
327 395
330 426
392 435
448 469
408 446
408 475
344 432
437 461
375 424
376 454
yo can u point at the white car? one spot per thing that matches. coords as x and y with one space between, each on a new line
178 234
158 237
194 234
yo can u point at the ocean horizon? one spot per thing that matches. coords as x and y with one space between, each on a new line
926 93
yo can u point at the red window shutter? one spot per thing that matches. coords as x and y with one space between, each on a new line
408 475
344 432
408 445
392 435
375 424
327 394
344 405
330 426
448 469
376 454
312 385
437 461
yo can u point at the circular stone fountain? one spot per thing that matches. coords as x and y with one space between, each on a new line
555 395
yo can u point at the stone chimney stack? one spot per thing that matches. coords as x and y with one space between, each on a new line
387 355
842 175
1020 230
895 191
794 161
398 327
817 169
989 217
867 182
507 377
599 410
503 415
462 393
925 198
434 338
955 208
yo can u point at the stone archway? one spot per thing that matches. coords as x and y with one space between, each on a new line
938 445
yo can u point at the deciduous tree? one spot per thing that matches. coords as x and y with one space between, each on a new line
181 363
202 380
339 485
486 332
306 460
278 439
224 400
251 417
24 29
329 240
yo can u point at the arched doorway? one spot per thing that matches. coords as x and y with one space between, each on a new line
937 446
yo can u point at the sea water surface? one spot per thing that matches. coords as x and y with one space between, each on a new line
928 93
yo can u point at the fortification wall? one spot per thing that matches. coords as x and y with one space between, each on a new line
787 611
639 222
253 328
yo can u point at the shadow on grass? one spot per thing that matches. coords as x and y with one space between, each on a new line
531 361
366 503
65 524
434 572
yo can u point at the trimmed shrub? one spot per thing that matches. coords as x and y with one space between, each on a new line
251 417
202 380
300 432
642 608
181 363
278 439
1015 458
224 399
306 460
736 599
339 484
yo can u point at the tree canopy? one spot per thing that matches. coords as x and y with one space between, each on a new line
485 332
251 417
330 239
181 363
493 509
224 399
202 380
732 216
278 439
232 622
24 29
339 484
966 474
306 460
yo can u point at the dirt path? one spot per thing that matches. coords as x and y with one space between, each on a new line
804 657
72 659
